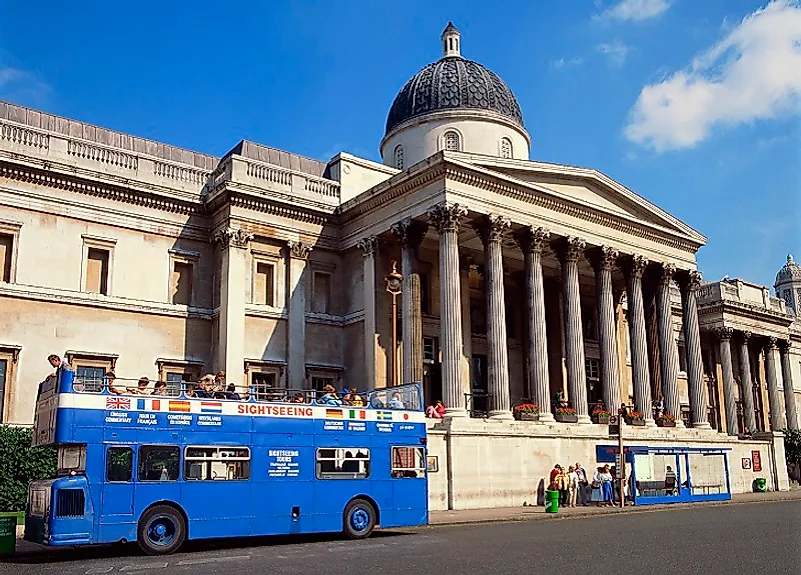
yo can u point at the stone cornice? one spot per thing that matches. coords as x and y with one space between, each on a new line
746 311
265 206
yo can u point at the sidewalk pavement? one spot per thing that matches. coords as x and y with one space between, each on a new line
503 514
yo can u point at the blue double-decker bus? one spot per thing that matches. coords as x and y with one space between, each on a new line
162 469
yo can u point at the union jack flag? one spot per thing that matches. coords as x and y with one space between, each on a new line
118 403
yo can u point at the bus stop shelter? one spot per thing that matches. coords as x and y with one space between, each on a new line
672 474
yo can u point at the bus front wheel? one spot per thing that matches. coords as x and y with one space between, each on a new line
161 531
359 520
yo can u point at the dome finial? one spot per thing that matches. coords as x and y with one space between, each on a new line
789 258
450 41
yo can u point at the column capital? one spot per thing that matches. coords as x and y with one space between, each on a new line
634 266
298 250
603 258
368 245
447 217
230 237
745 335
724 333
466 263
570 248
770 343
410 232
785 345
492 228
532 239
688 280
666 273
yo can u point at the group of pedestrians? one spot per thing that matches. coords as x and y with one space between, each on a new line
575 487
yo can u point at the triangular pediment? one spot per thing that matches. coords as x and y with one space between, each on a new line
589 188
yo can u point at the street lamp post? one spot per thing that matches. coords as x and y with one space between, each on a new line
394 281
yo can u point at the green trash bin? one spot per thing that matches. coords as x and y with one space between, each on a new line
760 485
551 501
8 534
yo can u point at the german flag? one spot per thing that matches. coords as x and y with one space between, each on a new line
333 414
182 406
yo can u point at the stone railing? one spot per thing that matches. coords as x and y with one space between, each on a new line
102 155
180 173
295 187
741 292
24 136
321 186
269 174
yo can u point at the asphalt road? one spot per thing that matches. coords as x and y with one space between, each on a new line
748 538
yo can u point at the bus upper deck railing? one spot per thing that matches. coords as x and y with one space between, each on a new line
402 397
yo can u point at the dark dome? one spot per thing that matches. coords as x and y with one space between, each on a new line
453 83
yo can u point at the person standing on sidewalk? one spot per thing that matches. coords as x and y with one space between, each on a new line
573 485
583 485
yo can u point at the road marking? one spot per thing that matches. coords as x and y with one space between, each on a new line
233 557
142 567
213 560
99 570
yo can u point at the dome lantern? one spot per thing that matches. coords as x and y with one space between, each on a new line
450 42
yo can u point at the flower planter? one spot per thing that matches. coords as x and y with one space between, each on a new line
564 418
636 422
600 420
665 423
529 417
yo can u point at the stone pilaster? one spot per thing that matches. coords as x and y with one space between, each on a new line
787 381
746 386
603 260
296 334
724 335
668 352
570 250
634 268
492 229
776 422
532 241
231 323
410 234
689 282
369 245
447 218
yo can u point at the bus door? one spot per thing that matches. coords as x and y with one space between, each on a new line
157 471
118 485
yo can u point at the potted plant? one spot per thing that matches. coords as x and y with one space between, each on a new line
601 416
636 418
566 415
666 420
526 412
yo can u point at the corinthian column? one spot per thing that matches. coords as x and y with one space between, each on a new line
492 229
667 345
446 218
410 234
571 250
724 336
532 241
787 380
368 246
689 284
296 334
776 423
639 347
603 260
746 390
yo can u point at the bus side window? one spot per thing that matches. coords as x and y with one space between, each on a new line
343 463
408 462
158 463
212 463
119 464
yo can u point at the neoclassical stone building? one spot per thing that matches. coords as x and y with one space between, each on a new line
520 278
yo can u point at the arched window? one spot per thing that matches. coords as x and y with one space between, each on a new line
452 141
399 157
506 148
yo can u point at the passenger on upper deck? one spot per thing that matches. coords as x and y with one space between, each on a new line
111 378
141 388
160 388
231 392
329 397
395 402
59 364
206 387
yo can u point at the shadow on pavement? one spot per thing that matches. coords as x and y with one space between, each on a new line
44 555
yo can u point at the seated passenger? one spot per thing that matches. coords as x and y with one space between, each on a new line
395 402
160 388
206 387
231 392
110 378
356 400
298 398
329 397
141 388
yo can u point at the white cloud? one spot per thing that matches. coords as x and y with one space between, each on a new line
616 51
22 87
635 10
754 73
564 63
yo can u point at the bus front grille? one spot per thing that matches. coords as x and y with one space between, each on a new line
70 503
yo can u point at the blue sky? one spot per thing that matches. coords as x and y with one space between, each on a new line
694 105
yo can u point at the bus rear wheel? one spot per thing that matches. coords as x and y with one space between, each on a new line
359 519
161 530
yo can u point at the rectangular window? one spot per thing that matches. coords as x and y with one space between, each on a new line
205 463
430 350
174 381
263 284
592 368
425 293
6 253
3 374
264 385
588 322
181 283
158 463
682 358
343 463
408 462
318 383
97 261
119 464
89 379
322 293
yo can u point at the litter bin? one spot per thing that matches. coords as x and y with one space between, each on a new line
8 534
760 485
551 501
